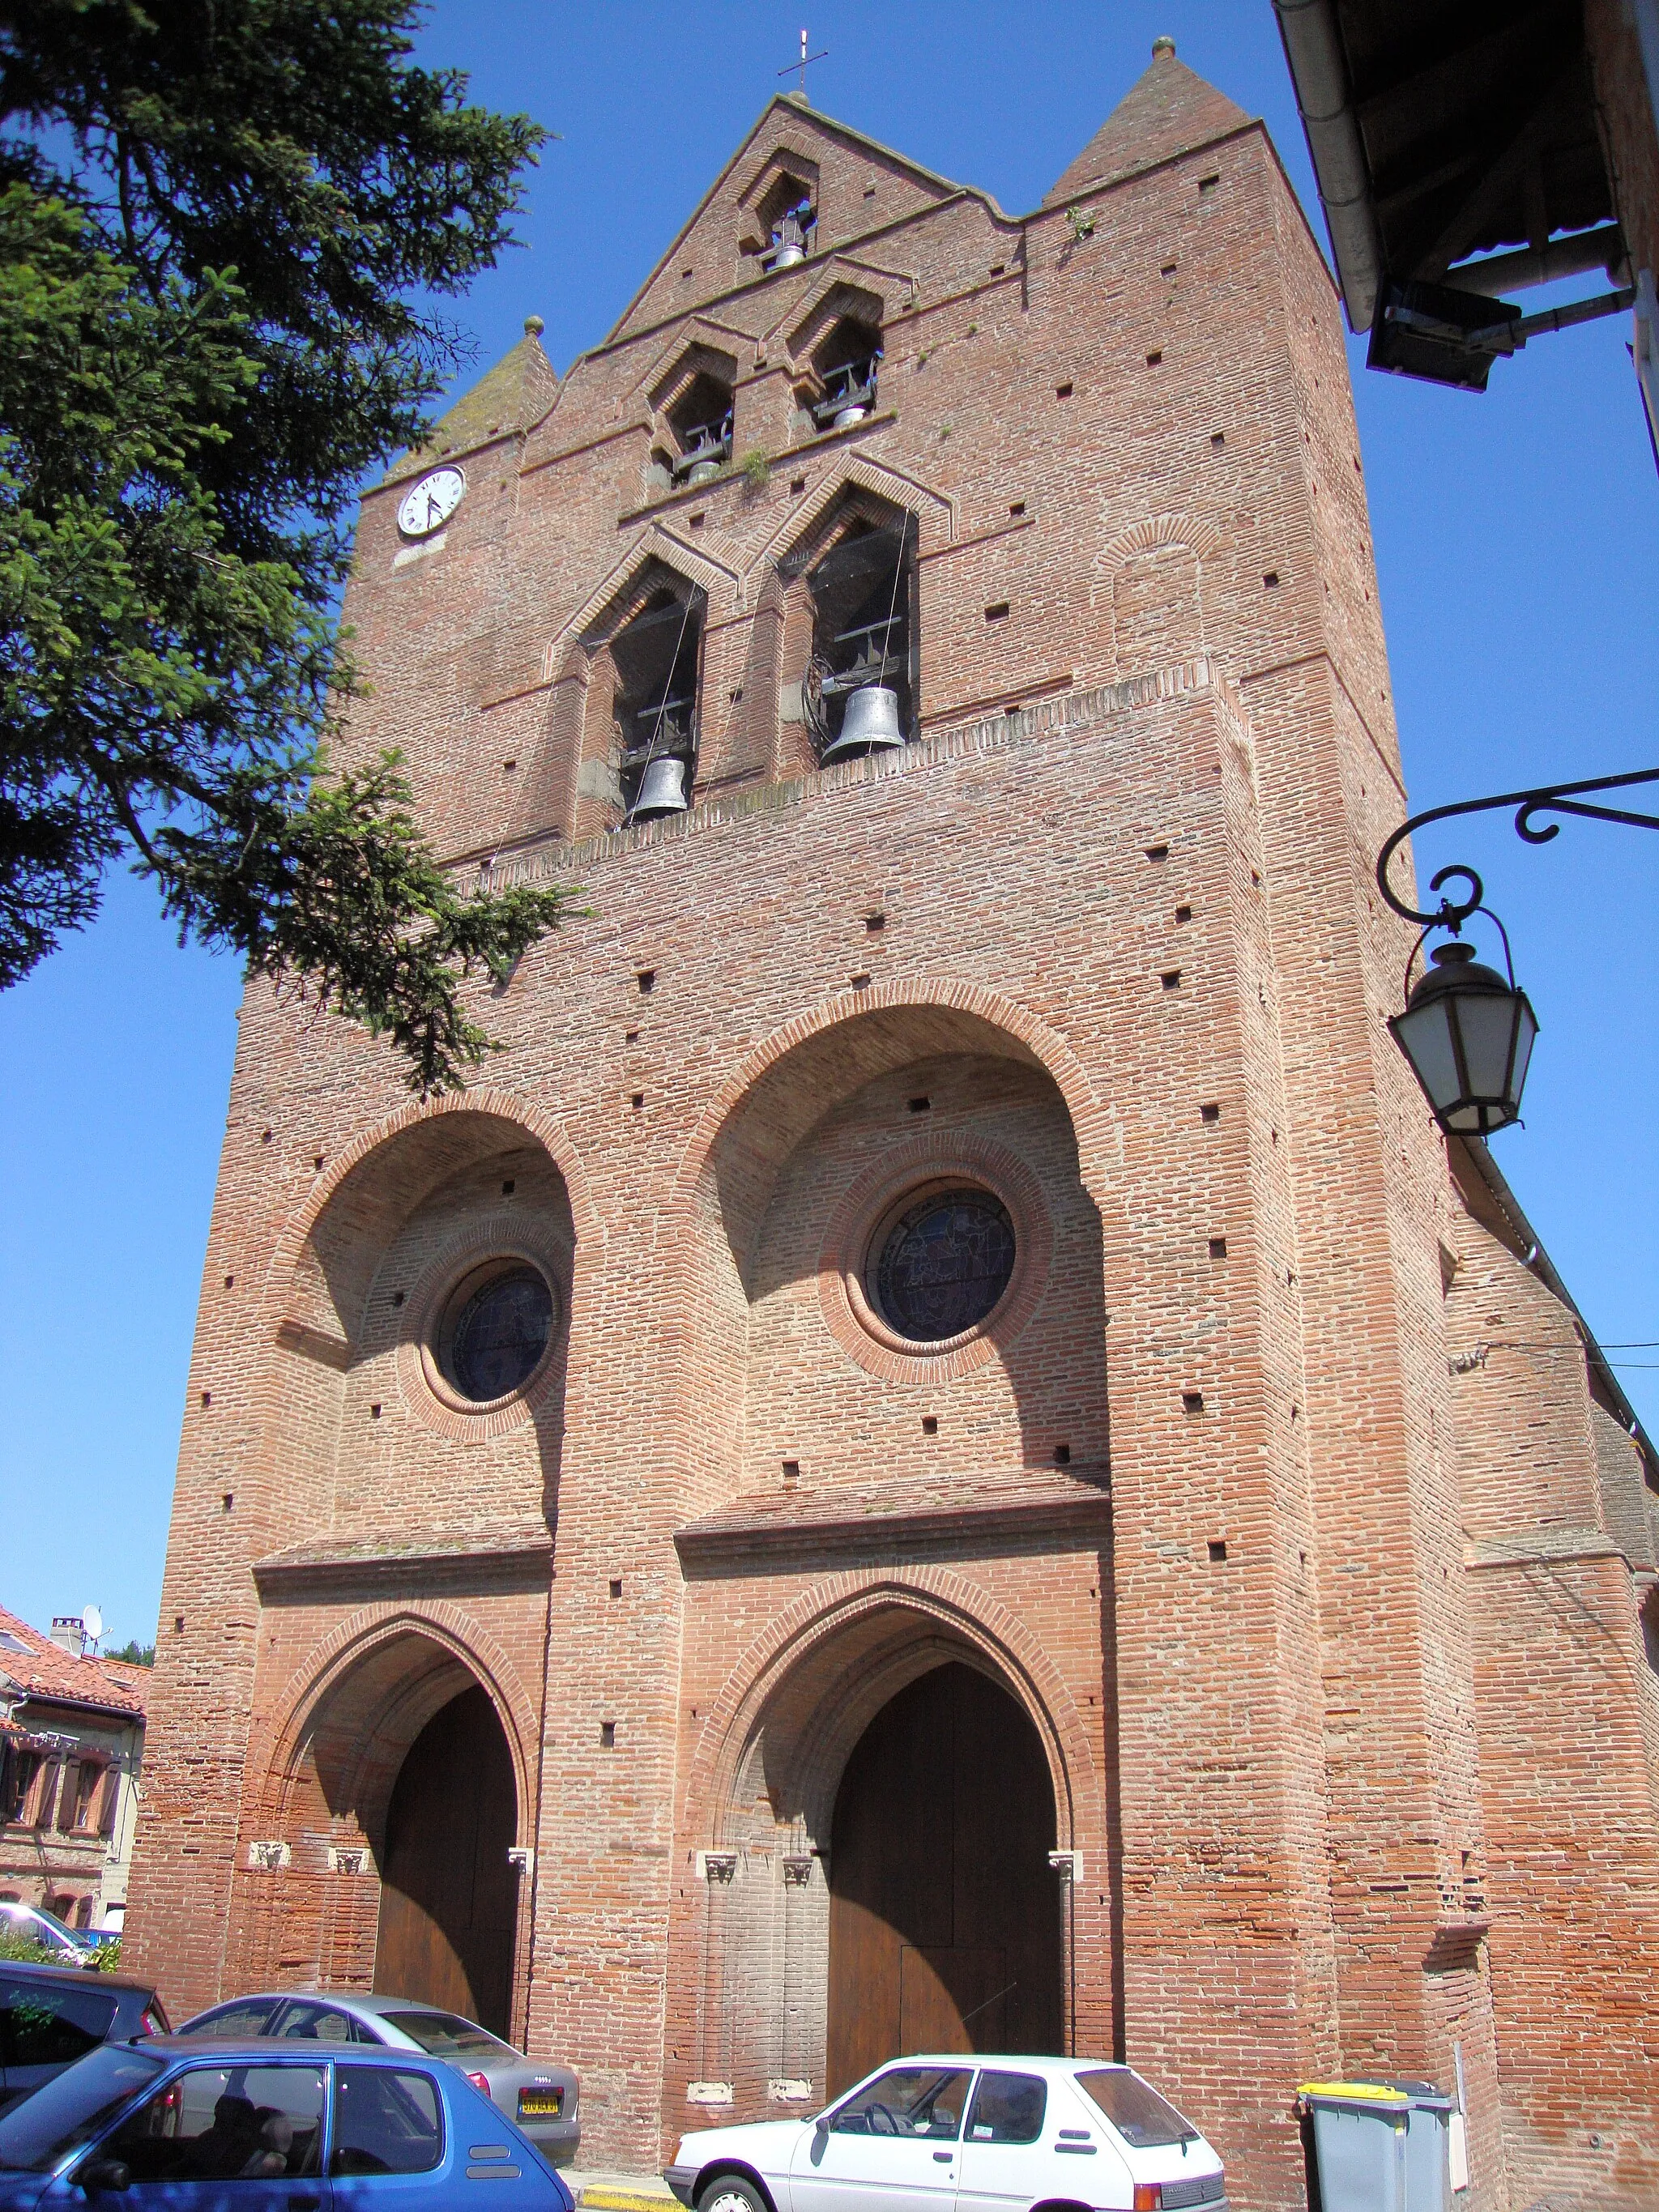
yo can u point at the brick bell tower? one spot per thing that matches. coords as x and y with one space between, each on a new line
891 1477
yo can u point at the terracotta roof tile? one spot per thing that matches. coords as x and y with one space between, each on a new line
44 1671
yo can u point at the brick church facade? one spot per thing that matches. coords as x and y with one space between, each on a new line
938 1452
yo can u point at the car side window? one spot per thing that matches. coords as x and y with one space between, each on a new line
249 2016
46 2025
1008 2108
320 2023
386 2121
225 2123
923 2102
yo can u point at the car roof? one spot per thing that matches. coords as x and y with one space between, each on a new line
83 1976
372 2002
258 2051
1023 2062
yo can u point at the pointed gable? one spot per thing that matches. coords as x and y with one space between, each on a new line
1169 110
856 183
513 396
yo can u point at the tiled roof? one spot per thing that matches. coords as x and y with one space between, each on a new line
43 1670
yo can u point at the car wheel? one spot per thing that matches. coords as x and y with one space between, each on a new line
730 2192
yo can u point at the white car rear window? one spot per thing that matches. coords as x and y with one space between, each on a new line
1144 2120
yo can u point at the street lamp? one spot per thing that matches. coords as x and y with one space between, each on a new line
1468 1036
1468 1033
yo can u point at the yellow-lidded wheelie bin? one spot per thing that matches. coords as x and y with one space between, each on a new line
1361 2133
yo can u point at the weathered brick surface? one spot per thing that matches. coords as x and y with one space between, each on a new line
1207 1496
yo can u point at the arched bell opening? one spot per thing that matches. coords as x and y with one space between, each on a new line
701 421
846 364
645 663
854 635
782 220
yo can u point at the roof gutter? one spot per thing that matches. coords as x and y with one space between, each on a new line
1318 70
1537 1261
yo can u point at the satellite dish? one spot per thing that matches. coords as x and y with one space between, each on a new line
92 1623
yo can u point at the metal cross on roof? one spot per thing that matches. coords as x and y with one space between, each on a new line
804 63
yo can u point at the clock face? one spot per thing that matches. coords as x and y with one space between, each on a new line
430 505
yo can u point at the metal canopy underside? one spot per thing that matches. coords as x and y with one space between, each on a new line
1444 128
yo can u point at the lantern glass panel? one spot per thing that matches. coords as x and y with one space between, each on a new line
1487 1021
1526 1029
1425 1034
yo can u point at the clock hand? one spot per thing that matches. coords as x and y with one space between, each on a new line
433 512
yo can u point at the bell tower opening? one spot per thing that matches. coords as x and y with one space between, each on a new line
700 420
945 1913
847 363
449 1892
656 658
858 694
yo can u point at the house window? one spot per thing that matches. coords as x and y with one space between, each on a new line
656 658
863 634
88 1782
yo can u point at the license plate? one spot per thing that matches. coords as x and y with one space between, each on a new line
540 2104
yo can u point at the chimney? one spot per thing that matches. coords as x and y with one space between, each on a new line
68 1634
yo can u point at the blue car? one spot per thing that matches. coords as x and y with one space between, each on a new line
171 2125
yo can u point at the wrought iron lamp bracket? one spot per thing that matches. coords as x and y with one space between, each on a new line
1543 798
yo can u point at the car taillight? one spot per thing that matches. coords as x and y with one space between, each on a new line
1149 2197
480 2082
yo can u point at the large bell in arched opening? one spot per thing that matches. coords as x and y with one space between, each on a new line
847 417
871 725
662 792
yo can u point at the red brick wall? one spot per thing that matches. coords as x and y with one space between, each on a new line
1130 951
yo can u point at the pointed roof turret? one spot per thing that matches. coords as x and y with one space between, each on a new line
513 396
1169 110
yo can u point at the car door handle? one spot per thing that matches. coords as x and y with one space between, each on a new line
304 2203
943 2157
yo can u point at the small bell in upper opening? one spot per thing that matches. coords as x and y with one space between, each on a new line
847 417
662 792
703 472
791 243
871 725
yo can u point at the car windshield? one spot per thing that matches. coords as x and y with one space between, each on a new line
447 2035
72 2108
1134 2108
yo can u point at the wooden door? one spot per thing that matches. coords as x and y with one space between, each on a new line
945 1914
448 1896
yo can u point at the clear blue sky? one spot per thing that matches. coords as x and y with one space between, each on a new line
1518 543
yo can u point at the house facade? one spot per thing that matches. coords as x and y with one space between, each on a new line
937 1454
71 1745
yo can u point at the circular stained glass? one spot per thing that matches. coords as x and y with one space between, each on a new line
499 1334
943 1264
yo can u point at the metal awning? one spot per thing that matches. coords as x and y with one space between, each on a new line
1442 129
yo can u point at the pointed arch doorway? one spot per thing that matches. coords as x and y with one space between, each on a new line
448 1894
945 1914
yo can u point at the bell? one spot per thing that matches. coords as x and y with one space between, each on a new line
789 253
848 415
703 471
871 725
662 791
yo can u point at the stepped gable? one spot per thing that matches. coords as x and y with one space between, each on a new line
1168 110
513 396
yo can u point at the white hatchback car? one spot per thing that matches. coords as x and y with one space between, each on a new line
955 2134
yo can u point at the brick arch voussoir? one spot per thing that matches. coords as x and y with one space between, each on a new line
1090 1122
723 585
935 513
504 1106
1200 537
326 1667
941 1599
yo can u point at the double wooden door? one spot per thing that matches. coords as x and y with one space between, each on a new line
448 1896
945 1916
